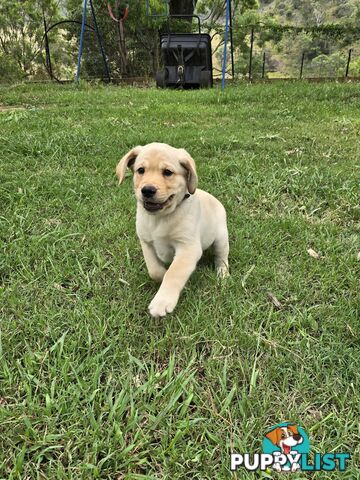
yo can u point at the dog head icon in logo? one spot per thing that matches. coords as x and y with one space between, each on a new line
284 440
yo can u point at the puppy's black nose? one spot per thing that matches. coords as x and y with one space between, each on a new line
297 437
148 191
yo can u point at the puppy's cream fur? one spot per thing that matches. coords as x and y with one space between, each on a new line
173 227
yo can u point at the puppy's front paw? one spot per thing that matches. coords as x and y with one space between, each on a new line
161 305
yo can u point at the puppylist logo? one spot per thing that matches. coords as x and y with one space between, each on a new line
286 448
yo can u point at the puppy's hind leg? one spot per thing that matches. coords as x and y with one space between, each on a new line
221 249
155 268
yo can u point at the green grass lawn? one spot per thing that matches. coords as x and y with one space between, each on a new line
93 387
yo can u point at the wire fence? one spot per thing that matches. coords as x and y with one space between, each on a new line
261 53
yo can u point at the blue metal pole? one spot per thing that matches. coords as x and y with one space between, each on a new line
81 41
225 43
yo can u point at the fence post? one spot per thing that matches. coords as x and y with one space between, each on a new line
263 66
348 63
302 64
251 53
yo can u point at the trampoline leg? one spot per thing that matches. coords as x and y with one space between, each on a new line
106 66
225 43
81 41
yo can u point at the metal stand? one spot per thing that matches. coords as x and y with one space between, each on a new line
102 51
47 50
225 43
231 41
97 31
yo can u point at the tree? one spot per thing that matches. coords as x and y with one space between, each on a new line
22 30
182 7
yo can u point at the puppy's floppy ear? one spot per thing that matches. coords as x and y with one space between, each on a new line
127 161
188 163
274 435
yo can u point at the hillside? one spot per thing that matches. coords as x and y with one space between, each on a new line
324 52
310 12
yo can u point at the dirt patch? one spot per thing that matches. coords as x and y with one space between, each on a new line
6 108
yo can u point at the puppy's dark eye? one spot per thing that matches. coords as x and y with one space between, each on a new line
167 173
141 170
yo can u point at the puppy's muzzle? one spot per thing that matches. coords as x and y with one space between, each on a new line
151 205
148 191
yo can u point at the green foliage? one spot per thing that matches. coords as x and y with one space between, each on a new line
354 70
329 65
22 29
9 68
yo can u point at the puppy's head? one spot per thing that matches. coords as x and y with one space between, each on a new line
162 176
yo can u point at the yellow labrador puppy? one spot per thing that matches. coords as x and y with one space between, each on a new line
175 221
